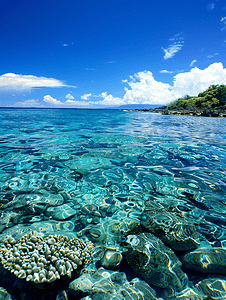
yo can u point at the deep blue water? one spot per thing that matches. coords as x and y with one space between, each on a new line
122 163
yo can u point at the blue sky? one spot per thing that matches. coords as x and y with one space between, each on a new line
104 53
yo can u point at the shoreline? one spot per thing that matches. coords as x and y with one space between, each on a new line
207 112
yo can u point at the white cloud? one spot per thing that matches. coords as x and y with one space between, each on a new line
177 37
175 47
77 103
28 103
69 96
65 45
171 50
165 72
110 100
223 20
51 100
197 80
15 82
193 62
86 96
210 56
104 94
144 89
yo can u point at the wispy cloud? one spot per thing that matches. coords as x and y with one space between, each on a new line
28 103
210 6
166 72
77 103
210 56
15 82
223 20
193 62
173 48
111 62
66 45
89 69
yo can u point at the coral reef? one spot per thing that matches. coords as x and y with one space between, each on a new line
41 258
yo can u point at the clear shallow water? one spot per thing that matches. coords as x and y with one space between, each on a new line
121 164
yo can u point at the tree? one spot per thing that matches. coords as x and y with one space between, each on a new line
214 96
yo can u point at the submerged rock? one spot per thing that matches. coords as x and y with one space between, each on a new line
176 232
4 295
214 288
81 285
63 227
111 285
62 295
60 213
206 260
187 294
156 263
111 259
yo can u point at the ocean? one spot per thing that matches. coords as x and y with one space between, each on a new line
148 190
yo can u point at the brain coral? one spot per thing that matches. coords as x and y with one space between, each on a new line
40 258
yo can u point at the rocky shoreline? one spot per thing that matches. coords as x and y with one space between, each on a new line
205 112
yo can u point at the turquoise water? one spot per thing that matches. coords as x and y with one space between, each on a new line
120 164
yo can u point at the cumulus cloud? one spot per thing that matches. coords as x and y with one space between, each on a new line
109 100
144 89
193 62
28 103
174 47
69 96
70 102
197 80
86 96
49 99
15 82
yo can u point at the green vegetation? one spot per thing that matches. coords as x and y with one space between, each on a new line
214 96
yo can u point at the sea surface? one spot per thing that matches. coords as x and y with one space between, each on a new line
148 190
